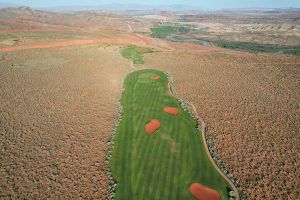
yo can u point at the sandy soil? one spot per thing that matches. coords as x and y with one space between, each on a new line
154 78
188 47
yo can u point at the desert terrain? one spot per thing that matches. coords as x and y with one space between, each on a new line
250 104
56 118
61 81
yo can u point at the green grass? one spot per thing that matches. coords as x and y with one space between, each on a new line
164 31
135 53
256 47
173 33
163 165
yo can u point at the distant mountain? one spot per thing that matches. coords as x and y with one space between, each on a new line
122 7
29 18
259 9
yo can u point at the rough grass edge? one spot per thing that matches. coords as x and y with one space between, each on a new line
112 183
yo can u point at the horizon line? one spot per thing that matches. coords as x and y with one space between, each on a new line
148 5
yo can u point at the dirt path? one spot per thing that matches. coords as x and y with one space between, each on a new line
203 127
129 26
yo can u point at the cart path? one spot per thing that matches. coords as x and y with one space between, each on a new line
203 127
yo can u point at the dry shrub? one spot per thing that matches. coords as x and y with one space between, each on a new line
57 111
250 104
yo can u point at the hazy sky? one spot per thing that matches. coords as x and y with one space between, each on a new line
212 4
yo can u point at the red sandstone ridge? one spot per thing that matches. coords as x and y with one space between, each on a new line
152 126
201 192
172 111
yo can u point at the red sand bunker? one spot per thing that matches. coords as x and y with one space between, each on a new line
201 192
152 126
155 77
172 111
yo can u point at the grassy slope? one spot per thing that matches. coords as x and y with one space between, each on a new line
162 165
136 54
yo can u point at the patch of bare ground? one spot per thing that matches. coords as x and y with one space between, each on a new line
57 111
188 47
250 104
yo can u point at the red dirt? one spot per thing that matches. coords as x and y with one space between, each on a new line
70 43
152 126
155 77
201 192
144 38
172 111
191 47
127 39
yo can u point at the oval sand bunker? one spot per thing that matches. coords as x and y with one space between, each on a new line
152 126
172 111
201 192
155 77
